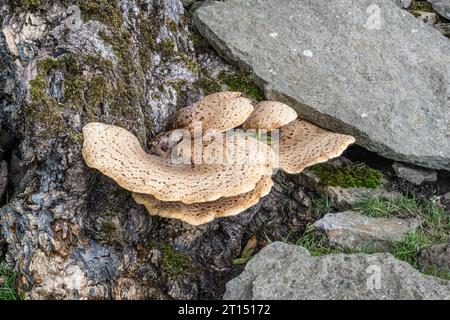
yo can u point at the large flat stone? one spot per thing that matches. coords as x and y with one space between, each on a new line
443 28
414 175
288 272
437 255
354 231
366 68
442 7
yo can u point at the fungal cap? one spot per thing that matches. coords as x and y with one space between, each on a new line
270 115
221 111
220 96
200 213
303 144
117 153
221 148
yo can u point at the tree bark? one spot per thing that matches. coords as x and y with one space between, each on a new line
72 233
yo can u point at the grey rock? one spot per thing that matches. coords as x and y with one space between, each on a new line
446 197
442 7
197 5
385 81
403 3
443 28
414 175
187 3
437 255
287 272
354 231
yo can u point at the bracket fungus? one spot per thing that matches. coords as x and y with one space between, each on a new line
116 152
200 213
303 144
219 175
223 148
219 112
269 115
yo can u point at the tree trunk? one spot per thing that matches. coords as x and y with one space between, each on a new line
72 233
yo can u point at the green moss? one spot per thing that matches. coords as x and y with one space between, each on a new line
48 64
97 62
178 87
110 233
168 47
43 113
73 77
207 85
105 11
37 87
116 90
125 95
349 176
109 227
148 33
190 63
42 109
90 94
174 263
72 85
120 43
242 83
97 94
172 25
76 137
200 43
48 115
30 4
69 65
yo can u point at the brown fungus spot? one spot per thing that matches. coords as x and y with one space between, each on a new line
117 153
220 112
303 144
270 115
200 213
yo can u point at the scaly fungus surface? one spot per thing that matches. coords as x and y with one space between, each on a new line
215 174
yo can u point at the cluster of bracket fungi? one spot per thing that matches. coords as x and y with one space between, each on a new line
200 191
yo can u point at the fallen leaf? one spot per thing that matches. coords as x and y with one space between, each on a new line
248 251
